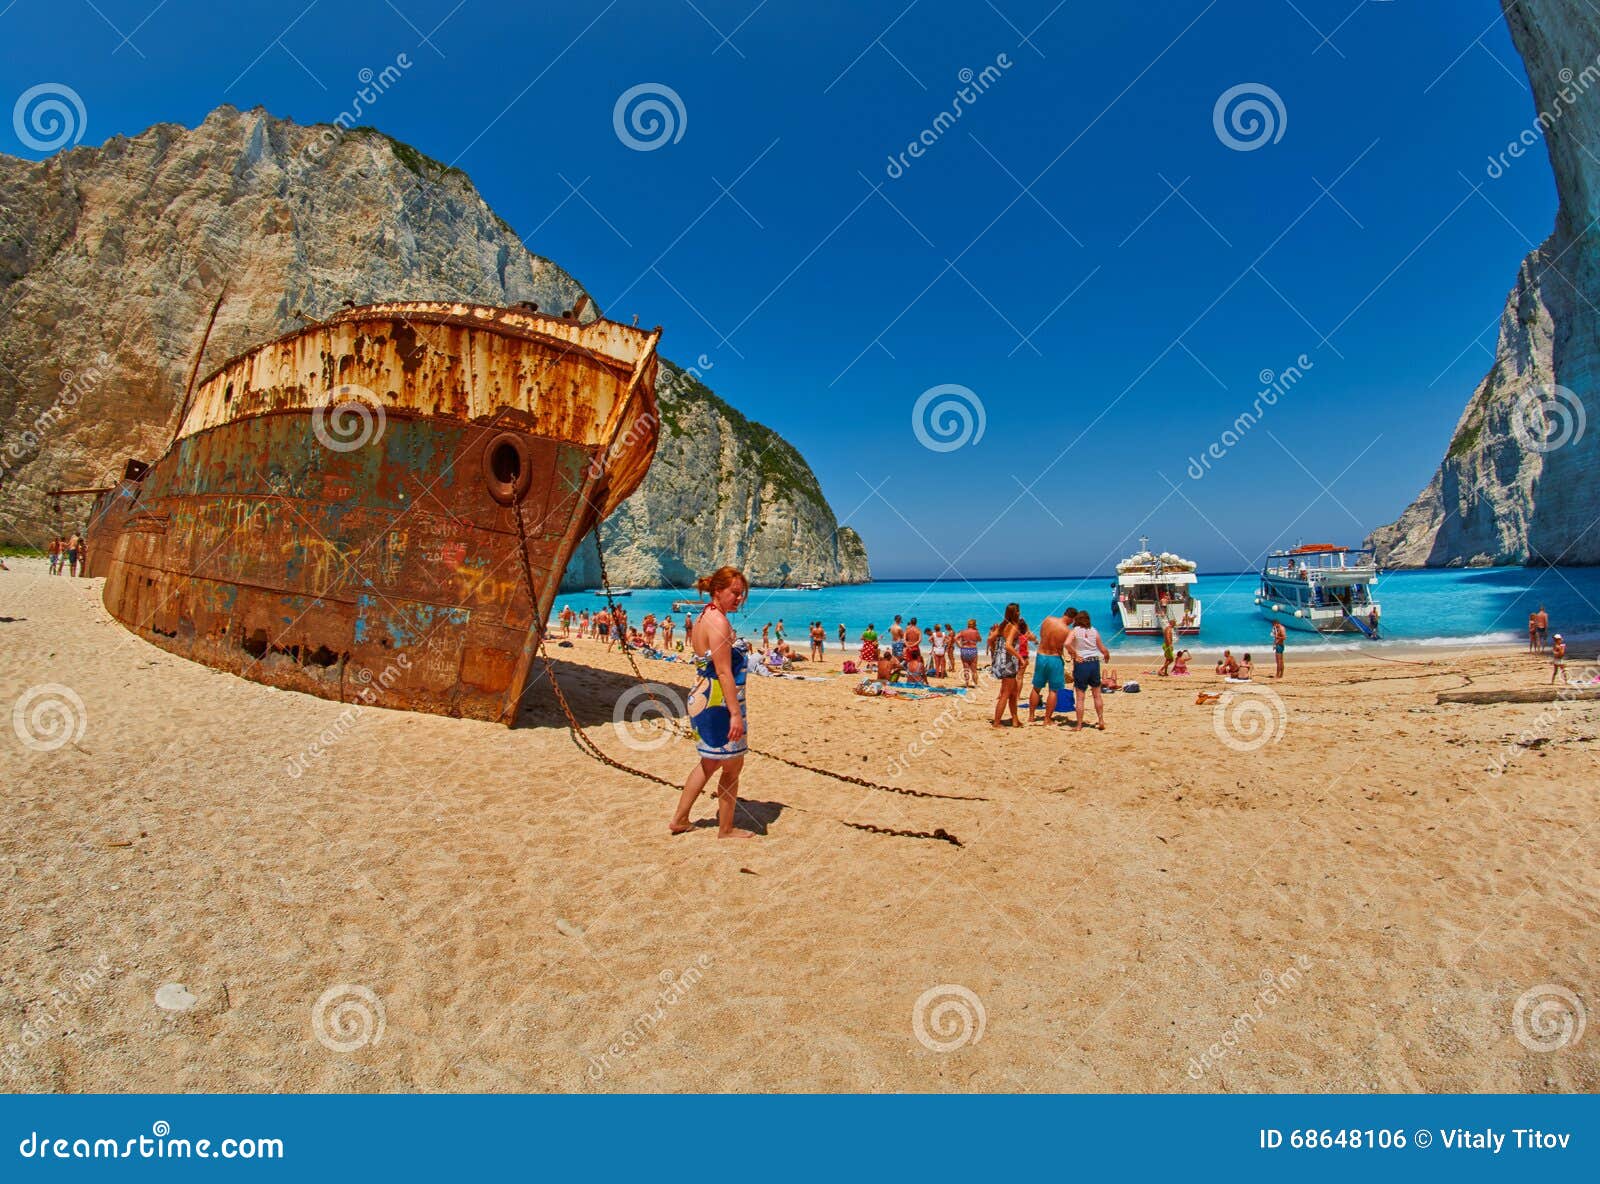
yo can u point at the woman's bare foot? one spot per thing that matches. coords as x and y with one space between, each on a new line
737 833
680 828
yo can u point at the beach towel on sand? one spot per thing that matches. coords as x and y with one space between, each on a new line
895 690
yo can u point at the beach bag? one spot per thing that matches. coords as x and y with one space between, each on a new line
1131 688
1005 666
849 667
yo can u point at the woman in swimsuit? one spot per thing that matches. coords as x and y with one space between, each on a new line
968 640
716 704
936 643
1007 664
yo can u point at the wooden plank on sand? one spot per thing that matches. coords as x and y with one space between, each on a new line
1520 695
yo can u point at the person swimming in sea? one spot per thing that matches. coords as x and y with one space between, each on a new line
716 704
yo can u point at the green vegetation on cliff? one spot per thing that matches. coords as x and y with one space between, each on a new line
783 471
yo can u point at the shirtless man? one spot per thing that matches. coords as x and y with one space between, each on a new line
1049 667
818 637
913 637
1229 666
1541 622
1279 633
897 637
1168 636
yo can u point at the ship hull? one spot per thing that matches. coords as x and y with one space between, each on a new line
392 583
412 569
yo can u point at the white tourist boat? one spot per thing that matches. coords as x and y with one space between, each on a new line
1150 587
1322 588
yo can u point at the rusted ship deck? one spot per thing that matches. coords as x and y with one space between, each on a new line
339 512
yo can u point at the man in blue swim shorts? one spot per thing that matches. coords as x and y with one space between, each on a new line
1049 668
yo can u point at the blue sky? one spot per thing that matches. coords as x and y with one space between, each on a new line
1035 254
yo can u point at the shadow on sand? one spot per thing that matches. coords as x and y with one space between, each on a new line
596 696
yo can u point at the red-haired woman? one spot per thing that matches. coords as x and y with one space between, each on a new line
716 704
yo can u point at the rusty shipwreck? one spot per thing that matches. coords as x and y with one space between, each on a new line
378 507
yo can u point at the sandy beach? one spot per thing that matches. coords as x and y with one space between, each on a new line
401 902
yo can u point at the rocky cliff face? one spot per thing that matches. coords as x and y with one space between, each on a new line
764 512
1517 484
111 257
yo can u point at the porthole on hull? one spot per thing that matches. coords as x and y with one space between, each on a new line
507 468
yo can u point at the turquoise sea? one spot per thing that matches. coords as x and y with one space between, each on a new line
1458 607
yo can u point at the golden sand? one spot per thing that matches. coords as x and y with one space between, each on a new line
476 908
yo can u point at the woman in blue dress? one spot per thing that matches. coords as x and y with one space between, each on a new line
716 704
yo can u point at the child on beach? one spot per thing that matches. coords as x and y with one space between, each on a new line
1558 659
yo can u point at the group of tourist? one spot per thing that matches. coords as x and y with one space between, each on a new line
900 654
68 555
1073 636
611 626
910 654
1539 638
